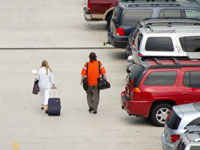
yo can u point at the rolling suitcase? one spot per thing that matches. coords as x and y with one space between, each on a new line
54 106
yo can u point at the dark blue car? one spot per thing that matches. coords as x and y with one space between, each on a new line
127 14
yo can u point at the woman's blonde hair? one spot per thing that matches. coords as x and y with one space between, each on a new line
46 65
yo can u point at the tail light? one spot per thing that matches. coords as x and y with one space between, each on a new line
133 42
174 138
120 32
88 4
132 82
169 116
136 92
139 54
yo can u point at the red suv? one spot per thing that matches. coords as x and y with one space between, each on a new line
95 10
154 86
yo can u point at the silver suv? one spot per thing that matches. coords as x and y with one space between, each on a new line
179 118
190 140
167 41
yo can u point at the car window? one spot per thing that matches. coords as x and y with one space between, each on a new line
190 43
194 122
192 79
159 44
117 14
131 17
192 13
136 73
174 121
170 13
161 78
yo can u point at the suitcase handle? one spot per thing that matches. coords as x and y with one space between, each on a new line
54 93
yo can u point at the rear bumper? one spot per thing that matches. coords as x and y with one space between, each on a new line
117 41
165 144
90 17
137 108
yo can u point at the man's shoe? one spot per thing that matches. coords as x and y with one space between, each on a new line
94 112
90 109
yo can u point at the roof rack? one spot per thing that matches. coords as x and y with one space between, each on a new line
147 0
160 31
153 5
157 60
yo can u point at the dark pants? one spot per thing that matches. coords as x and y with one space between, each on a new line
93 97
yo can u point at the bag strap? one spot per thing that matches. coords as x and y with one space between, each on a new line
99 68
87 69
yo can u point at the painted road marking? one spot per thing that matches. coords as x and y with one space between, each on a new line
15 146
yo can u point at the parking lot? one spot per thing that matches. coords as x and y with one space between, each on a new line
56 30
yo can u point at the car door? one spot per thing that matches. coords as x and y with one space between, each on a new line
189 85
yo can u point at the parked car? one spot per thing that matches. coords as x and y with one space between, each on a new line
166 41
127 14
154 86
179 118
190 140
97 10
156 22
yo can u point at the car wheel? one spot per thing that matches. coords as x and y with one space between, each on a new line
159 114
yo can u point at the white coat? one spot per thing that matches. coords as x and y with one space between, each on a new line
45 80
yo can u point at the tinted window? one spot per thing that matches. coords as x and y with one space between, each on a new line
192 13
192 79
190 43
161 78
136 72
194 122
159 44
173 121
170 13
131 17
117 14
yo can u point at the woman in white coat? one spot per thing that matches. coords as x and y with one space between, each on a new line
46 82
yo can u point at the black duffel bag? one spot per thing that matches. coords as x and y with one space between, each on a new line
85 82
102 83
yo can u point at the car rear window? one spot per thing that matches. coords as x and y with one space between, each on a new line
161 78
136 72
159 44
174 121
192 79
190 43
131 17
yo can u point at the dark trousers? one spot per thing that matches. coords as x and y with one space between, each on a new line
93 97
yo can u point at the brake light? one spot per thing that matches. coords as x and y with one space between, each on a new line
174 138
139 54
136 92
133 42
132 82
169 115
120 32
88 4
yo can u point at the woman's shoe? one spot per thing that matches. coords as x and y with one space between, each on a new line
46 111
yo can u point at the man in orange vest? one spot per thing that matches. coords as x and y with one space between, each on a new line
91 70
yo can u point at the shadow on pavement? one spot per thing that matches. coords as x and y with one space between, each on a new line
93 26
138 121
119 54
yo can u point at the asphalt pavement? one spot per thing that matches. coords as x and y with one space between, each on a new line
31 31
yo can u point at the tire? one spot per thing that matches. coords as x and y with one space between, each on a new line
159 114
108 19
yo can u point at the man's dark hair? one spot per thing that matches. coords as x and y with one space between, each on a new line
92 56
